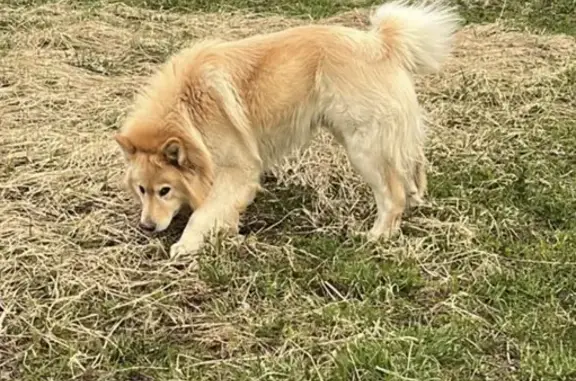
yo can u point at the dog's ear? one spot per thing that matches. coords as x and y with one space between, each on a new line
173 151
126 145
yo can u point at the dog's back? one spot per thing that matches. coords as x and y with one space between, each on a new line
276 88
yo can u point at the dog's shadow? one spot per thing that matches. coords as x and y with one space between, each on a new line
280 208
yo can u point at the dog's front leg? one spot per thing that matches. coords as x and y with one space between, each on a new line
230 195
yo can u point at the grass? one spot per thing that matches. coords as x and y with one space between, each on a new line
552 16
480 286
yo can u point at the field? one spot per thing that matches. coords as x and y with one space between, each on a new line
481 284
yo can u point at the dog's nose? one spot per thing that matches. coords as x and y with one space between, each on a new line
148 226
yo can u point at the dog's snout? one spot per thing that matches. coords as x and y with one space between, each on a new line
147 226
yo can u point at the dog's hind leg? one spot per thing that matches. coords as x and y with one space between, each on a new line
417 183
384 179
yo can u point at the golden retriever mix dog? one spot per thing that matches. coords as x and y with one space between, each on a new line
218 114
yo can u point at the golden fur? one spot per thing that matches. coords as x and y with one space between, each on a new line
218 114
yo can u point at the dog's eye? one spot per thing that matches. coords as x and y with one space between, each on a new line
141 188
164 191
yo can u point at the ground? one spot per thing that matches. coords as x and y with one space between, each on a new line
479 286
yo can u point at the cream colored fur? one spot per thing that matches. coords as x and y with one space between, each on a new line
235 108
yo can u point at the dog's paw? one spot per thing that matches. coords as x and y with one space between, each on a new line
183 248
375 236
368 236
384 232
414 200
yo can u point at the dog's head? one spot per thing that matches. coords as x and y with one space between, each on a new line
165 173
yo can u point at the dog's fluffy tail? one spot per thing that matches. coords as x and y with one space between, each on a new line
419 36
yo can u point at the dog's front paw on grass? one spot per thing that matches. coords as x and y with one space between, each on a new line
184 248
382 232
373 237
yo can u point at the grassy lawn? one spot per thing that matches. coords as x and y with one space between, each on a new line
553 16
480 286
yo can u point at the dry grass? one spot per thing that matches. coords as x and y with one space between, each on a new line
479 286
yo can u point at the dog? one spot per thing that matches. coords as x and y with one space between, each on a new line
218 114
